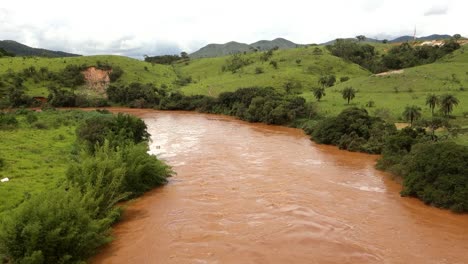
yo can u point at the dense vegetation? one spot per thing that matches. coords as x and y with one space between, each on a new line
166 59
433 168
403 56
4 53
66 223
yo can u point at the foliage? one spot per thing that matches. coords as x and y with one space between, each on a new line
327 80
8 121
118 129
412 113
432 100
61 97
362 54
354 130
437 174
319 92
447 102
164 59
4 53
53 227
115 74
236 62
348 93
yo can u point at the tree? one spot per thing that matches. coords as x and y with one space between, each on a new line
385 41
447 102
327 80
318 92
432 100
348 93
274 64
361 38
412 113
457 36
184 55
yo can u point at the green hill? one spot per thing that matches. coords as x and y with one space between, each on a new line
22 50
219 50
393 92
280 43
301 66
133 70
216 50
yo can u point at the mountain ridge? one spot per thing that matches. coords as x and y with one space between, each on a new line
20 49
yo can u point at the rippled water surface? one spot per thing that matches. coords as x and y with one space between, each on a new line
252 193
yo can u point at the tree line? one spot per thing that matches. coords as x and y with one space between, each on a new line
403 56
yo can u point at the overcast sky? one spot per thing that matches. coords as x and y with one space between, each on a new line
139 27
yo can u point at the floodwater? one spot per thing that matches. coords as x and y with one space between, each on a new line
252 193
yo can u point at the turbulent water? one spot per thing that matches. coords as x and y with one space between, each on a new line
252 193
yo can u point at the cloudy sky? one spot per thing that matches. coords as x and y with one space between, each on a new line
139 27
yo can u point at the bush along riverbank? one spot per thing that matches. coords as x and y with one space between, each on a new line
434 170
67 224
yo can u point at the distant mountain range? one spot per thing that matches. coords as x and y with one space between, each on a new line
22 50
399 39
216 50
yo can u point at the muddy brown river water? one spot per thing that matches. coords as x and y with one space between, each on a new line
252 193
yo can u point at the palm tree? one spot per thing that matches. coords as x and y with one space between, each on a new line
319 93
348 93
447 102
412 113
432 100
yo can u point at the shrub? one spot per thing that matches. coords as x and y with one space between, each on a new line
437 174
344 79
53 227
353 129
8 121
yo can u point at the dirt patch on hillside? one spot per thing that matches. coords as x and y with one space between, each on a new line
390 73
97 79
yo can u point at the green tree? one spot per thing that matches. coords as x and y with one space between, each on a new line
447 102
412 113
318 92
348 93
361 38
184 55
457 36
432 100
327 80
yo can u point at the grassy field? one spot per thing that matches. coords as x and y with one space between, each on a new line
36 154
209 79
134 70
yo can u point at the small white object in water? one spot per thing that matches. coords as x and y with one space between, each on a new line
4 180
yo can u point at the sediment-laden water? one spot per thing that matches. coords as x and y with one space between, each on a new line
252 193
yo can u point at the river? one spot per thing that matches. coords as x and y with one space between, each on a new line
253 193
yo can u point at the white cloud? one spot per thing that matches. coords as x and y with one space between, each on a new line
436 10
140 27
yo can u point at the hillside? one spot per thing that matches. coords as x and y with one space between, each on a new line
281 43
133 70
398 39
22 50
218 50
209 79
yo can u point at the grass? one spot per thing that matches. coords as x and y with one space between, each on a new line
134 70
209 79
35 159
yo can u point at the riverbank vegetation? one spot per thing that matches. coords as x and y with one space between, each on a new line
61 199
